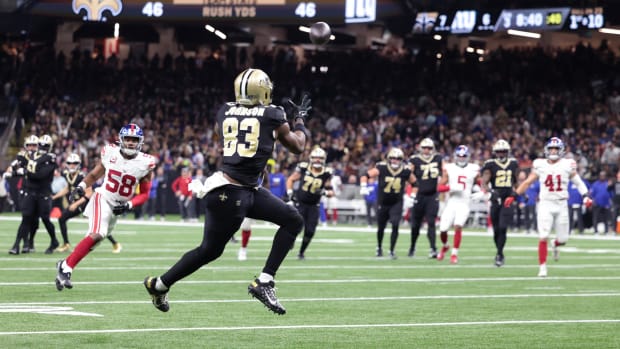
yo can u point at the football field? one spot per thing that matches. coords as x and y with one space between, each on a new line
341 296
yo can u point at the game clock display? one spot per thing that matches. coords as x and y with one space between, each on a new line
268 11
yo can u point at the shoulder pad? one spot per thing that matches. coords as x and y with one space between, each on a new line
329 170
21 153
489 161
381 163
52 156
303 165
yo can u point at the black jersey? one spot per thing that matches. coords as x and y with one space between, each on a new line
247 136
40 173
503 175
426 172
311 184
391 184
73 179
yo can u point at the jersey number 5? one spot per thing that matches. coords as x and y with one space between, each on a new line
119 183
245 147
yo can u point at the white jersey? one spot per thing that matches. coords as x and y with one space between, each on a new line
554 177
122 175
461 180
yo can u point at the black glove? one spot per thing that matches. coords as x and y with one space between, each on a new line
301 110
121 208
77 194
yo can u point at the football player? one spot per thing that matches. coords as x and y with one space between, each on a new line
427 167
392 176
73 176
500 174
123 167
460 177
248 129
553 172
315 181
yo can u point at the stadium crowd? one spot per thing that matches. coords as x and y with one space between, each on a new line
364 102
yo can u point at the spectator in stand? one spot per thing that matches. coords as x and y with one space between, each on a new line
371 201
575 207
184 196
151 204
601 196
529 211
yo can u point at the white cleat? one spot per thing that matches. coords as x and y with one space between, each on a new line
542 271
242 255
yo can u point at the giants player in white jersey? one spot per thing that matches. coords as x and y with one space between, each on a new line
460 177
124 167
553 172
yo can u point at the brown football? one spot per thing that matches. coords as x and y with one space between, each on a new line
320 33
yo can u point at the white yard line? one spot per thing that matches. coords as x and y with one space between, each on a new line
306 327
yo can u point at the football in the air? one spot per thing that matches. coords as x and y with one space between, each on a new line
320 33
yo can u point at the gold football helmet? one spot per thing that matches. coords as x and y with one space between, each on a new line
31 140
318 157
45 143
427 146
73 162
395 157
253 87
501 148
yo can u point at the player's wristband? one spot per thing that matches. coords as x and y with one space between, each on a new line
82 185
302 128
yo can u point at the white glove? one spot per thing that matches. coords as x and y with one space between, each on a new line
364 190
20 171
197 188
6 175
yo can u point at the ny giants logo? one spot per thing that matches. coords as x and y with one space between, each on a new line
95 8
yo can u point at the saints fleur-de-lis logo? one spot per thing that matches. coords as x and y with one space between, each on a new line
95 8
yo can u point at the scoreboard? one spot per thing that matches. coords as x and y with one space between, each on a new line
539 19
269 11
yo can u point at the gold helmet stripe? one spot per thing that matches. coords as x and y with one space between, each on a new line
243 86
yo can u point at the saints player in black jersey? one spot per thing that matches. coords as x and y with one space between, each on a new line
393 176
315 181
73 176
427 168
37 168
500 174
248 130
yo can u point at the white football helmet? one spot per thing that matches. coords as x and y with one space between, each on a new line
73 162
253 87
395 158
501 148
554 143
45 143
318 157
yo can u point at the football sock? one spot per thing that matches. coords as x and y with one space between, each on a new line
542 252
455 251
80 251
112 239
264 277
334 215
444 237
245 237
458 235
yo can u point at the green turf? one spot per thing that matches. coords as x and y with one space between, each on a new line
341 296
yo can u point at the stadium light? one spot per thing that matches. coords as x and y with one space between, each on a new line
304 29
220 35
609 31
209 28
524 34
117 28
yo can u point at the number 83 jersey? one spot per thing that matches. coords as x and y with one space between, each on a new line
247 136
122 175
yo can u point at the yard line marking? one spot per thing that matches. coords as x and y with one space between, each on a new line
340 281
39 309
331 299
339 267
315 327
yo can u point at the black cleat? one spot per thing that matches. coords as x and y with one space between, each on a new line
393 255
27 249
411 253
159 298
62 279
379 252
301 257
52 247
14 250
499 261
265 292
433 254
